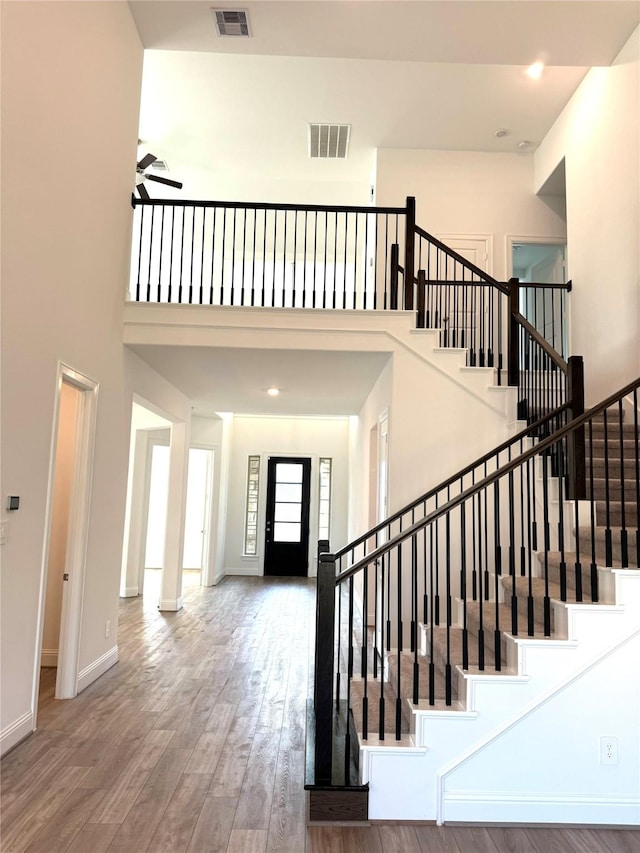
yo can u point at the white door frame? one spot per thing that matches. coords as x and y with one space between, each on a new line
152 440
77 537
208 510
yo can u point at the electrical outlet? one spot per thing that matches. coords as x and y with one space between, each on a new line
107 628
608 750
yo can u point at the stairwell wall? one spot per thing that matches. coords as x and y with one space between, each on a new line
598 136
469 193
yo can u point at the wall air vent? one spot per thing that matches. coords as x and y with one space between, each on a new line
232 22
329 140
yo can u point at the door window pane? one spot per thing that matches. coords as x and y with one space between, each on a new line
288 512
286 532
288 493
288 472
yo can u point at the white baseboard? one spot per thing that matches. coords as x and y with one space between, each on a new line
89 674
16 731
503 807
170 604
129 592
245 571
219 577
49 657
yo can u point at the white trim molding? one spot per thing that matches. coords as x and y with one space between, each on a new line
49 657
172 604
16 732
99 666
534 808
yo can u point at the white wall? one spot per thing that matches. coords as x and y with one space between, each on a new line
436 426
597 134
285 436
558 776
70 94
378 402
468 192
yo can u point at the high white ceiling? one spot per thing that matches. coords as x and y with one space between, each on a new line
230 117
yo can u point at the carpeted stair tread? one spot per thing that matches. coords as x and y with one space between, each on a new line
600 534
598 489
615 513
538 587
373 704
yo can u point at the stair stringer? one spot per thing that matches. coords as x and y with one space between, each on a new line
408 782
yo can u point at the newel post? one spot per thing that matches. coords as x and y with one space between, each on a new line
324 657
576 453
409 246
513 349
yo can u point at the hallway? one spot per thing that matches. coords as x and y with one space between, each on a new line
194 743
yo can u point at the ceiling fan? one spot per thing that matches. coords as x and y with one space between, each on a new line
144 164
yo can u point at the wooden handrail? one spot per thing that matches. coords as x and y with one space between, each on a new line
468 469
572 427
250 205
457 257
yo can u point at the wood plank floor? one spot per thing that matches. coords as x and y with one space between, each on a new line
194 743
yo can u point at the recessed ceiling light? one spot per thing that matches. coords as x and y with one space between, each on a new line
273 392
502 132
524 144
535 71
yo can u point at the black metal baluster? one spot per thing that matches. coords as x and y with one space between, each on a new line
381 708
253 258
173 217
244 254
223 265
432 617
304 267
315 256
624 545
448 685
153 210
364 657
607 534
283 301
213 253
545 508
193 239
204 216
275 265
355 261
324 278
294 265
463 584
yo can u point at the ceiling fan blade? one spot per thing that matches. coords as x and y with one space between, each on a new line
147 160
142 191
166 181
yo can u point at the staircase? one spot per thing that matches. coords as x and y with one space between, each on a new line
508 637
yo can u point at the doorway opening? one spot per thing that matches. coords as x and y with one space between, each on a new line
543 262
63 570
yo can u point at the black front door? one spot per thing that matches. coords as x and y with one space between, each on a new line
287 529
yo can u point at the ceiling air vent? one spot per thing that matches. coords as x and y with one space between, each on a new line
329 140
232 22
